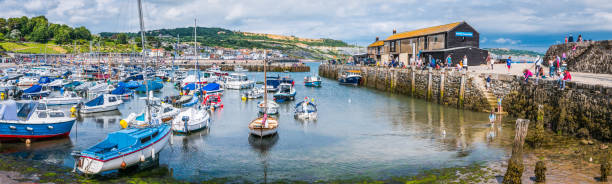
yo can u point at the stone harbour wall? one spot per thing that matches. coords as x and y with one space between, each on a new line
579 110
443 87
593 57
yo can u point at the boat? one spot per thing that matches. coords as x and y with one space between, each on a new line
68 98
32 120
194 100
35 92
164 111
285 92
212 101
191 119
122 91
130 84
57 84
306 110
212 88
263 126
102 103
238 81
312 81
350 77
287 80
100 87
253 93
272 83
268 107
217 71
150 85
27 81
239 68
123 148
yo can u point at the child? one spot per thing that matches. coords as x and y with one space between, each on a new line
566 77
527 74
509 63
489 82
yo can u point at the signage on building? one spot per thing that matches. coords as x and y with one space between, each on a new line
467 34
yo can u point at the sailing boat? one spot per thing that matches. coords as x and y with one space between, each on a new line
129 146
196 117
264 125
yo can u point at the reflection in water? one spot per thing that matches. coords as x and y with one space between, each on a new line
50 151
193 142
262 146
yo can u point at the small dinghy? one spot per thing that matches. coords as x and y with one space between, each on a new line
212 101
124 148
194 100
191 119
306 110
32 121
271 107
102 103
312 81
238 81
68 98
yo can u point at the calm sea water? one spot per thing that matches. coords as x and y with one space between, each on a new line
359 133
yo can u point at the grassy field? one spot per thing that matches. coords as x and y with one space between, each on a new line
52 48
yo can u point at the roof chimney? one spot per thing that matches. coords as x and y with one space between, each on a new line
394 31
377 38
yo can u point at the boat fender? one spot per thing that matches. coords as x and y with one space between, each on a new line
123 165
50 127
123 124
153 153
142 157
29 128
28 141
12 127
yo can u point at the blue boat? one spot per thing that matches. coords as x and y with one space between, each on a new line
285 92
124 148
135 77
350 77
130 84
153 86
212 88
312 81
272 83
35 92
122 91
192 102
32 121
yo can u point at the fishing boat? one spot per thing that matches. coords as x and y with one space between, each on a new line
212 101
32 121
285 92
312 81
102 103
68 98
272 83
253 93
239 68
164 111
191 119
238 81
352 77
306 110
35 92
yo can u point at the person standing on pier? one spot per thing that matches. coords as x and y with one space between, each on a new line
509 63
465 62
449 61
489 61
499 104
566 77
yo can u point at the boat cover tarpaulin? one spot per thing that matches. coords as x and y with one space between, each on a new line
153 86
96 101
130 84
33 89
44 80
190 86
211 87
120 91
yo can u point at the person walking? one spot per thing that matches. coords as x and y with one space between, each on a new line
509 63
538 65
465 62
490 61
449 61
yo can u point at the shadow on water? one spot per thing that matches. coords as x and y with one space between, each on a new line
262 145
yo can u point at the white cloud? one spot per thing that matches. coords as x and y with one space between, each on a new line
483 40
507 41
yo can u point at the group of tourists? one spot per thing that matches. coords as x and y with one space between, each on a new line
570 39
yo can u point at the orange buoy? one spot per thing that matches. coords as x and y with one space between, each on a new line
123 165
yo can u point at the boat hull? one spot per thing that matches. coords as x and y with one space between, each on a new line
91 165
95 109
263 133
350 80
10 131
313 84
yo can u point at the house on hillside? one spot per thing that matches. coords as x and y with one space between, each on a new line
457 39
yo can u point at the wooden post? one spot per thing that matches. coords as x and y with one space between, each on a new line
441 101
515 164
429 84
461 89
412 82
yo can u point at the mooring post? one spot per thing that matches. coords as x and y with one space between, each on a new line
515 164
429 84
461 89
412 81
442 86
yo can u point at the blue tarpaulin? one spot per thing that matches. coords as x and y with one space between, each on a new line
153 86
211 87
33 89
120 91
96 101
130 84
44 80
190 86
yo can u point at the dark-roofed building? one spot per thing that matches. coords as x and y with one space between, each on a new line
457 39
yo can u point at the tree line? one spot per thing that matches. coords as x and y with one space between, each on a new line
39 29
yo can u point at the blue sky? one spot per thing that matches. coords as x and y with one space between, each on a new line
521 24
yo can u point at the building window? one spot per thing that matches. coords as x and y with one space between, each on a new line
392 46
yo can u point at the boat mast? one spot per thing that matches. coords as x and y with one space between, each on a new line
142 39
265 84
195 52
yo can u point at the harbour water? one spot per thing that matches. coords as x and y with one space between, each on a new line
360 132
